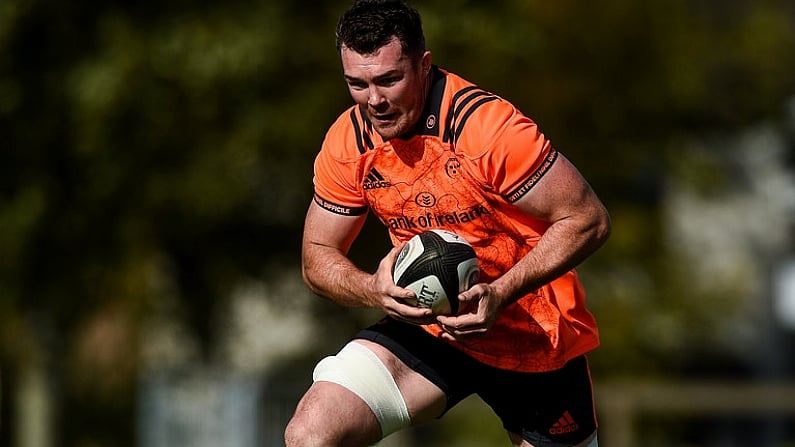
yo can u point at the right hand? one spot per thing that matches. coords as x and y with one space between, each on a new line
394 300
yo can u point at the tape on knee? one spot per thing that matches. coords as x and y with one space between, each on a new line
359 370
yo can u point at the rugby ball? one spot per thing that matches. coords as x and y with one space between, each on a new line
437 265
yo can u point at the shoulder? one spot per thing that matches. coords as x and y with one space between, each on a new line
337 167
477 118
502 147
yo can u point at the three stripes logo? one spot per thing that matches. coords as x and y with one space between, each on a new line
375 180
566 424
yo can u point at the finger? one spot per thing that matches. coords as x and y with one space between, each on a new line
410 311
457 321
391 257
417 312
446 321
469 299
468 294
447 337
402 295
463 325
451 334
414 316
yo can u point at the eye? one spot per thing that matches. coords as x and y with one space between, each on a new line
386 82
357 85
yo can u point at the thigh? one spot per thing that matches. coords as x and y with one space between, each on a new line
361 394
551 409
424 400
330 414
450 370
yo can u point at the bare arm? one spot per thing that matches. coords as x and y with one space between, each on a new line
580 225
329 272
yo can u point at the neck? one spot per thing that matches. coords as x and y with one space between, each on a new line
426 87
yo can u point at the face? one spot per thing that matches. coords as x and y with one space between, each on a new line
387 86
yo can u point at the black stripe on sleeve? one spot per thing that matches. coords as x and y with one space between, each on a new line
368 129
448 125
460 126
360 133
357 132
339 209
460 101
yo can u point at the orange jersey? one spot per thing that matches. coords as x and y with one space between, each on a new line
474 156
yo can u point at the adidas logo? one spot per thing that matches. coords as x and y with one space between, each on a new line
375 180
565 424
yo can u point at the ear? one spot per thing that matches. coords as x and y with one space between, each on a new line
426 62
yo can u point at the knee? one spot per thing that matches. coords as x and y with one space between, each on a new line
298 433
325 426
292 434
308 428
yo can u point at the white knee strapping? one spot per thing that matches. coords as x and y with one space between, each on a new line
358 369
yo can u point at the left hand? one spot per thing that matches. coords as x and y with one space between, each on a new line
478 310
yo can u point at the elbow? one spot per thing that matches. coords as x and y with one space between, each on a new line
309 279
603 227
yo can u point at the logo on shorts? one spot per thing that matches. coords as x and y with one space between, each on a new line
566 424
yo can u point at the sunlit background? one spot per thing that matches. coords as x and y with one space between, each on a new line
156 164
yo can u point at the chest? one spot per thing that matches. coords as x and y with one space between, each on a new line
421 185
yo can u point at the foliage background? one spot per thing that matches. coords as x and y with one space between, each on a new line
154 156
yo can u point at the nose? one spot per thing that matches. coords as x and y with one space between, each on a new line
375 97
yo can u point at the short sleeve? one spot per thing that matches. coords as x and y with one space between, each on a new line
507 148
336 173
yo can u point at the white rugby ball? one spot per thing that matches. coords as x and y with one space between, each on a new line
437 265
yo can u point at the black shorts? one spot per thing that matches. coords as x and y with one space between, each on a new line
548 409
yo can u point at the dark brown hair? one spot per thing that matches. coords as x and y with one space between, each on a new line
370 24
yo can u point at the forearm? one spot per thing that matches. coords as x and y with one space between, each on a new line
329 273
564 245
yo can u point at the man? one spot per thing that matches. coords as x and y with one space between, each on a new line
423 148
